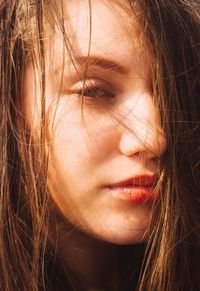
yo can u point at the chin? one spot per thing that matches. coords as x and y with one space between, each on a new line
127 240
123 237
121 230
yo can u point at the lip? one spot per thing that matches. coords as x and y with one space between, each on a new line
139 189
142 181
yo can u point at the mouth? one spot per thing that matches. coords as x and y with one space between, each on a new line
140 189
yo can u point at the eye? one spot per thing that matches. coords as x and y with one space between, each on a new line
94 90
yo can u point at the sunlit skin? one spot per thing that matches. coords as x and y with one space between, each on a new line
112 136
116 135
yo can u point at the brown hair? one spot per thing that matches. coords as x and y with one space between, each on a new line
171 262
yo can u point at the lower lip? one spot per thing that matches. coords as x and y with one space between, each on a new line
135 195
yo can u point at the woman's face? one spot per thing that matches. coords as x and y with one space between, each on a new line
104 151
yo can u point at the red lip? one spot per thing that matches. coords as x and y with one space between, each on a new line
138 190
138 181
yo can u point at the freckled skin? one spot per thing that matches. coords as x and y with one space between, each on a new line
88 154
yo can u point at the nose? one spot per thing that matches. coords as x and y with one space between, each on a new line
142 133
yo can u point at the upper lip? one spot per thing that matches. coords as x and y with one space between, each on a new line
137 181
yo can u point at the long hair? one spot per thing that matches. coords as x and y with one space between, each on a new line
171 30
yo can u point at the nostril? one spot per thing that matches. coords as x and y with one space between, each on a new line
150 145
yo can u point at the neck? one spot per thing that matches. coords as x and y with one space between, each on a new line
96 264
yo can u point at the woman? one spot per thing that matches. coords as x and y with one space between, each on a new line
100 145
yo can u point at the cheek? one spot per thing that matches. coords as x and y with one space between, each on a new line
78 148
81 139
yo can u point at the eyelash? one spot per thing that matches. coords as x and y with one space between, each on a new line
94 92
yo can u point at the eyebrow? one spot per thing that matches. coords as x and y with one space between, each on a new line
102 62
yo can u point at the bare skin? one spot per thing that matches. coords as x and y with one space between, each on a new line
86 158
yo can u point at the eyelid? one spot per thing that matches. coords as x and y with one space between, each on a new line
94 90
91 82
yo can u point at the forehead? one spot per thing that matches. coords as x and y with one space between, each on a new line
101 27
